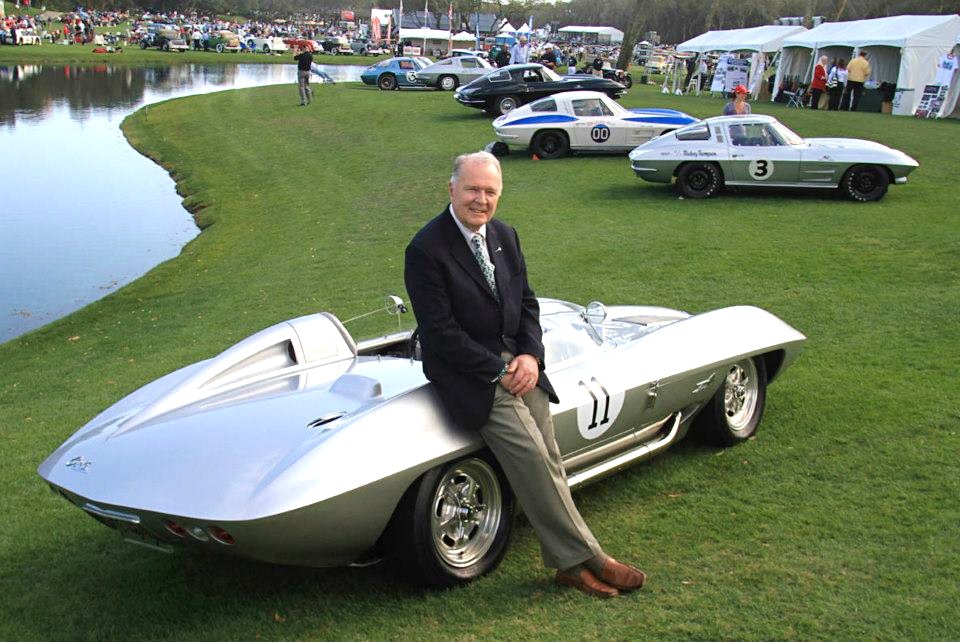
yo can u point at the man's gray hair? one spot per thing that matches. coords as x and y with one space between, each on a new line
484 157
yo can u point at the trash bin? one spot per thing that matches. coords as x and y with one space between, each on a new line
643 79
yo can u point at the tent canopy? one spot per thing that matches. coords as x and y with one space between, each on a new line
604 34
765 39
902 50
426 34
895 31
508 28
464 36
524 28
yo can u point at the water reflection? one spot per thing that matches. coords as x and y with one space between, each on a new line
82 212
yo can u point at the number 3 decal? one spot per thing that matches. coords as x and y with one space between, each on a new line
600 410
760 169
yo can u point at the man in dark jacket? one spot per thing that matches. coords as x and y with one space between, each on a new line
304 58
481 347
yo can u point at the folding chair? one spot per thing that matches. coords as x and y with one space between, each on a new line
795 98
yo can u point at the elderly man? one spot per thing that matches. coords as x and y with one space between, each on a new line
520 52
481 347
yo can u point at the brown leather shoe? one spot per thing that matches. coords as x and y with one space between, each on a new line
587 582
622 576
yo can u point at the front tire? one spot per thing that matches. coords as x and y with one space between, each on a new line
266 48
550 144
448 83
627 81
733 414
699 180
865 183
387 82
219 48
454 524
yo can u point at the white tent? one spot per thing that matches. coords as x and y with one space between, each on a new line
464 36
524 28
429 38
508 29
903 50
763 39
605 35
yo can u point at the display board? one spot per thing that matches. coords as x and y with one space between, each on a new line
931 101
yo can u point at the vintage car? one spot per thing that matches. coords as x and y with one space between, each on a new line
394 73
164 37
450 73
366 47
267 44
303 43
300 446
221 41
509 87
760 151
584 121
337 45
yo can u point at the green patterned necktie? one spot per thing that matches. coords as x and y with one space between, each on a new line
485 266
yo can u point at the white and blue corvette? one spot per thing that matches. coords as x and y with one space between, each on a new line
583 121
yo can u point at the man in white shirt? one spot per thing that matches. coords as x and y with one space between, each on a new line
520 52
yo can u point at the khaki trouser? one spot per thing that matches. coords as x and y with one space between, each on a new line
303 84
520 434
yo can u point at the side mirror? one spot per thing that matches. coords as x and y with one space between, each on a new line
394 305
596 312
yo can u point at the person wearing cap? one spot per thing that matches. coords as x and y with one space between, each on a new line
520 52
739 105
549 57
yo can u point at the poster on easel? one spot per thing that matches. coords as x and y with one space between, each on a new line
931 101
719 73
737 72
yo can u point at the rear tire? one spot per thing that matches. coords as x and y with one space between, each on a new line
699 180
448 83
219 48
865 183
453 525
627 81
733 414
505 104
387 82
550 144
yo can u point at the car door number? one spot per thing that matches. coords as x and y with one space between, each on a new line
600 134
760 169
601 409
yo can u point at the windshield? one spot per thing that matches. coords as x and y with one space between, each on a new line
549 75
786 134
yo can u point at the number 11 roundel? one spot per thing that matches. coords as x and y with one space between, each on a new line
598 409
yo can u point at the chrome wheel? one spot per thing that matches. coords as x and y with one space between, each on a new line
466 512
740 394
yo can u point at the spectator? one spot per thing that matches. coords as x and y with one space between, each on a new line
739 105
819 84
836 81
520 52
857 73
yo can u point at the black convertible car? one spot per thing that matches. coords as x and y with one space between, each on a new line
509 87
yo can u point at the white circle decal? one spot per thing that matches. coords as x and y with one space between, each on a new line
760 169
411 76
597 408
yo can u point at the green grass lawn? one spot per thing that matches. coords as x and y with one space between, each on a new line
839 521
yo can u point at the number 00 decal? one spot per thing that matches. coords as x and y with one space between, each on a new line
600 410
760 169
600 133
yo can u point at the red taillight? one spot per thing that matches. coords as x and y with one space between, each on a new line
175 528
221 535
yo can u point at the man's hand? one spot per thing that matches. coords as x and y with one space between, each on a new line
522 375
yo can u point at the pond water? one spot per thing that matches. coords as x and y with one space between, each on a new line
82 213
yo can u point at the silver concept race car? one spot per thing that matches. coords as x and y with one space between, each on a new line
586 121
300 446
761 151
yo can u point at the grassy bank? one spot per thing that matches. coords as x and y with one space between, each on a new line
132 55
839 521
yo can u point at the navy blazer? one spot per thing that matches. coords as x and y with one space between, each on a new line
463 328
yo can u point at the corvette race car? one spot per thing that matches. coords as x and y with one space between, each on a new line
505 89
760 151
299 445
394 73
583 121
